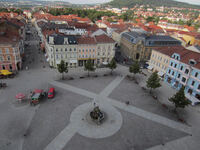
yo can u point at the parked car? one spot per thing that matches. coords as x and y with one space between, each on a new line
51 93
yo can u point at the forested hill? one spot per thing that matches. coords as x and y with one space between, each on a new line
168 3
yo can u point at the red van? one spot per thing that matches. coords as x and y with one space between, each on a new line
51 93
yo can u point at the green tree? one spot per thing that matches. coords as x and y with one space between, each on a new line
153 81
179 99
62 68
150 19
112 65
134 68
89 66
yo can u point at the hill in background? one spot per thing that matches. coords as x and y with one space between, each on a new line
167 3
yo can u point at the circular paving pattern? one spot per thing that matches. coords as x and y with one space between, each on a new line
110 125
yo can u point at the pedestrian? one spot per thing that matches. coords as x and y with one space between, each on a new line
26 67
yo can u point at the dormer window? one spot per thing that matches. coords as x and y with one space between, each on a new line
192 62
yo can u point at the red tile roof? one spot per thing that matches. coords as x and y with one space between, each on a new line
169 50
86 40
104 39
185 55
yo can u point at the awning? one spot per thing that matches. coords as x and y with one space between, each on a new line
5 72
150 67
105 63
58 62
72 61
160 73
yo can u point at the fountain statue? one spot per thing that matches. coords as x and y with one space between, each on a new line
96 114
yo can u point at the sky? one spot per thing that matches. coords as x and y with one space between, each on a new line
102 1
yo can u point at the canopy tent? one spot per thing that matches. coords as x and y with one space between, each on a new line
105 63
160 73
150 67
20 96
5 72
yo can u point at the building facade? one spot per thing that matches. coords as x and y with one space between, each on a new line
159 60
183 70
138 45
76 50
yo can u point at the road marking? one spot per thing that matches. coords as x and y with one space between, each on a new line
108 90
63 137
74 89
150 116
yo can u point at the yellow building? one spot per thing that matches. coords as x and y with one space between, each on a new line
160 58
188 37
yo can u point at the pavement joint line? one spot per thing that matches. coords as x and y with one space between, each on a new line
74 89
151 116
63 137
108 90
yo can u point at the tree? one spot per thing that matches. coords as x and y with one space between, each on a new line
134 68
62 68
89 66
153 81
179 99
112 65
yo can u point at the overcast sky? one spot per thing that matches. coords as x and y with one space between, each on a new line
102 1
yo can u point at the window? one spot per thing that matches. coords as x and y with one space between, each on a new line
196 74
190 91
75 49
83 50
186 71
56 50
1 58
61 49
183 79
181 68
0 51
3 67
193 82
7 50
171 64
10 66
8 58
175 65
70 49
179 75
173 73
199 87
169 71
65 49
